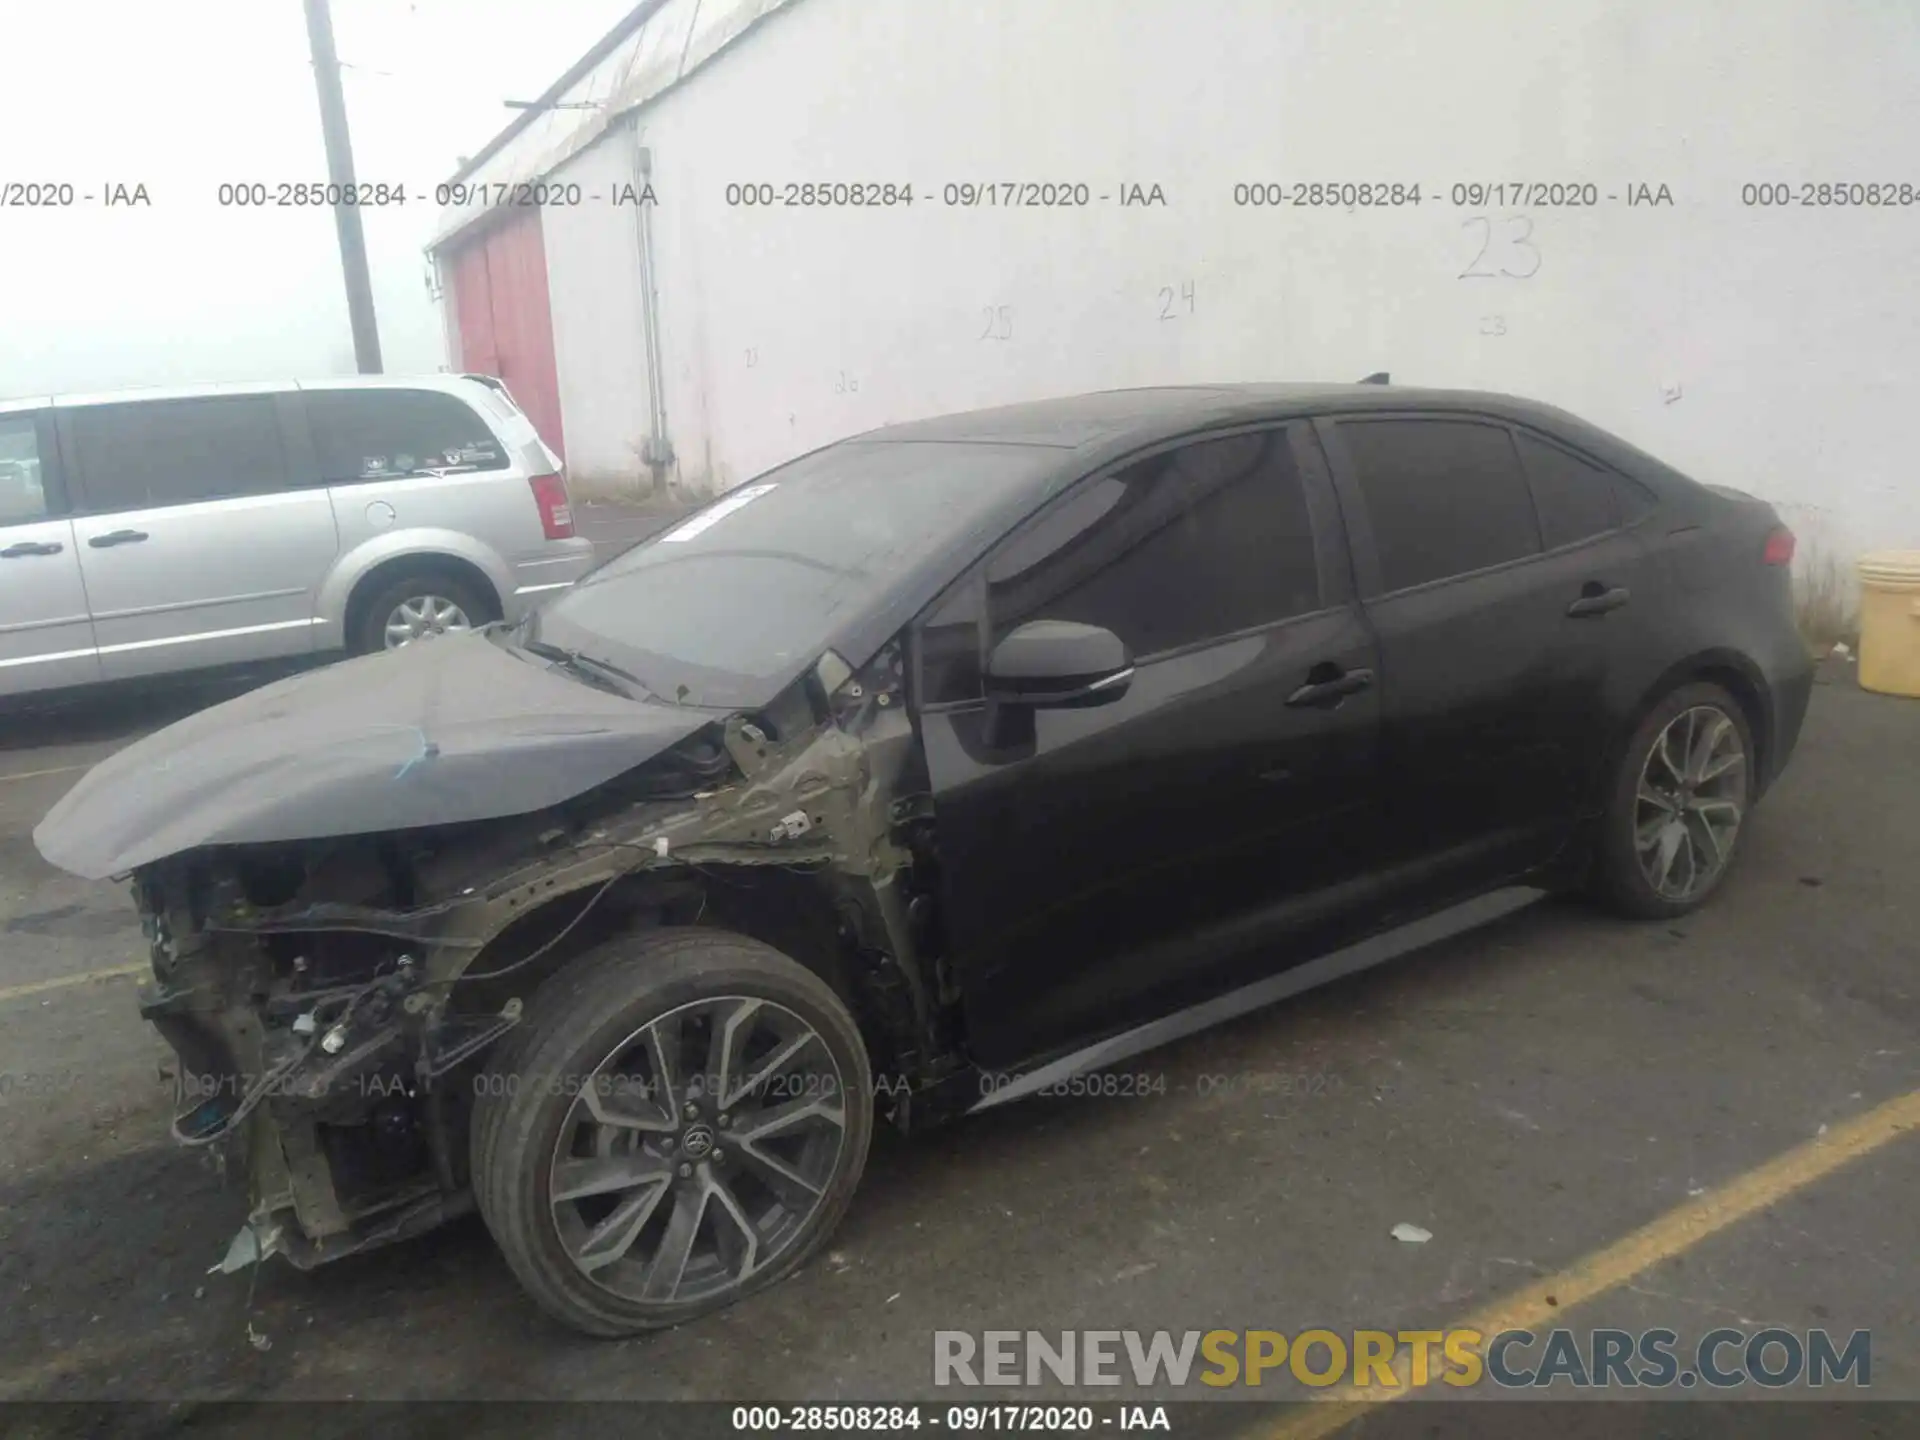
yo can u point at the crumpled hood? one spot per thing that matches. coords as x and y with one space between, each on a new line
452 729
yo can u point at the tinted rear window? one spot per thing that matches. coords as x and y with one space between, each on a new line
384 434
1443 497
173 452
1576 498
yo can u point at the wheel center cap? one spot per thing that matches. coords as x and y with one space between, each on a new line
697 1142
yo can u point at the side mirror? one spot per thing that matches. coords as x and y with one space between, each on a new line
1058 664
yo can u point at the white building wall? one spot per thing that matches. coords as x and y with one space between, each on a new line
599 340
1776 349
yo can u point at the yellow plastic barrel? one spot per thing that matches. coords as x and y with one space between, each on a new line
1890 622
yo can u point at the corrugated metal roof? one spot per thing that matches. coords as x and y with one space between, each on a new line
655 47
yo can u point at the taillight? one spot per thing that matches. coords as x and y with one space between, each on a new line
556 507
1779 549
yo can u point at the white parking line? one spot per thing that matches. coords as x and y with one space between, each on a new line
36 774
62 982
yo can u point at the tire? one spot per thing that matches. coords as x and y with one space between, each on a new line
1622 878
600 1261
474 603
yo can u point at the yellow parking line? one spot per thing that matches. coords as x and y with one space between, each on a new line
36 774
1679 1230
61 982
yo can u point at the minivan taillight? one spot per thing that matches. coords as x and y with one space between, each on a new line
556 507
1779 549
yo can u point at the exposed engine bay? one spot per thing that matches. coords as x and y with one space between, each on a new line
333 1001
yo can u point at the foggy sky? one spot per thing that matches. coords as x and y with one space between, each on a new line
183 96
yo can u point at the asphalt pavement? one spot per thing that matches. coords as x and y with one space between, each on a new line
1529 1094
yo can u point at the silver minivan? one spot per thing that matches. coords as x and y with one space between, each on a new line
147 532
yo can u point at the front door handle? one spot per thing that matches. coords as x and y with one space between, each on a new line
117 537
31 547
1597 599
1326 687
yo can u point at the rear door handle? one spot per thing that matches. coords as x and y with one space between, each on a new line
31 547
1595 599
117 537
1330 691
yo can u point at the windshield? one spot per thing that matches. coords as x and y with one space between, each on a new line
754 586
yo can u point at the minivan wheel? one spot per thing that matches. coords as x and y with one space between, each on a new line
419 606
1679 805
680 1120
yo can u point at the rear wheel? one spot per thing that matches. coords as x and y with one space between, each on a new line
419 606
681 1120
1679 804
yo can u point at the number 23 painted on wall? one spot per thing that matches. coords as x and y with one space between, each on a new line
1508 254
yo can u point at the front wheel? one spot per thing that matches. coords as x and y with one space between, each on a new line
1679 805
681 1120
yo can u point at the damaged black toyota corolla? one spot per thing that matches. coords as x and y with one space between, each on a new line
918 773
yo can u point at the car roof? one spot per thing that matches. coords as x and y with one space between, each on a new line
1141 416
1092 429
438 380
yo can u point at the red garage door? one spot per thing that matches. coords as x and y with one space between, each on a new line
505 322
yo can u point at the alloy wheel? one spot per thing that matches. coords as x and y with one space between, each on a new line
1691 798
697 1151
421 616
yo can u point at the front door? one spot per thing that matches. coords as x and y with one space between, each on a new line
46 638
197 543
1208 826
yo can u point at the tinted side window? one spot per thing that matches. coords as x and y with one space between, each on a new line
1443 497
949 645
1635 499
173 452
382 434
1198 542
23 496
1575 498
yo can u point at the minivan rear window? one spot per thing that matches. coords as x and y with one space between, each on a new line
386 434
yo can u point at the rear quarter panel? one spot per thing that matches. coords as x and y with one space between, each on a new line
1716 607
487 518
364 546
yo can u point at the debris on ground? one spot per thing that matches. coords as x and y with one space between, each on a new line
1411 1234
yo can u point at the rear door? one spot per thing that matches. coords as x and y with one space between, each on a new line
46 637
1210 825
1495 639
201 544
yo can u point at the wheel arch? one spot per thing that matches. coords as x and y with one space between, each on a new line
1734 673
357 573
824 928
429 562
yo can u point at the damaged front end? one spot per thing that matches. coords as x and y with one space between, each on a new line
333 1002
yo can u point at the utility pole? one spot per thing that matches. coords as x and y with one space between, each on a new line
346 218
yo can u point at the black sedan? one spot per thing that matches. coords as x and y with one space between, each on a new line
915 774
